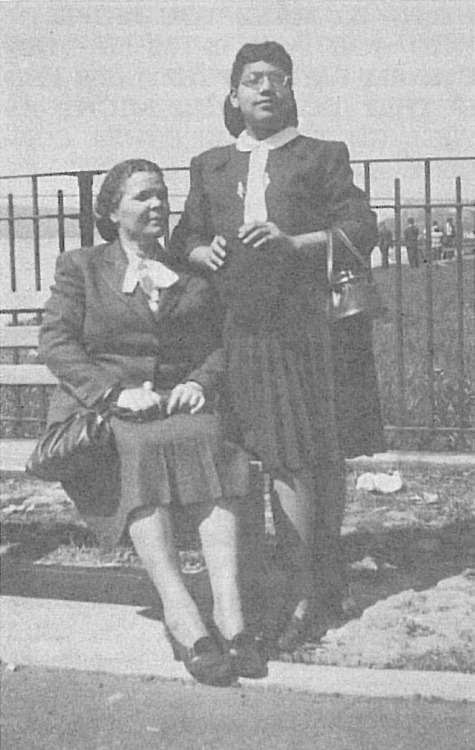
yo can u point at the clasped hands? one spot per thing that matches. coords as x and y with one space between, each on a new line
262 235
187 396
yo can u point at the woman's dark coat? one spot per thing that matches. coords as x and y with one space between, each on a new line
95 339
310 189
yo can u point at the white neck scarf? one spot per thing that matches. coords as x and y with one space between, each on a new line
255 208
152 275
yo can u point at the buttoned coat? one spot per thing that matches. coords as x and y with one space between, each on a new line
310 188
95 337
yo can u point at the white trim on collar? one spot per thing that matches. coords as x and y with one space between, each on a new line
246 142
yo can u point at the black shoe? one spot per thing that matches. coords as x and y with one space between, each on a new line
208 664
248 655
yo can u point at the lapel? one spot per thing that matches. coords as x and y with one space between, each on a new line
169 298
114 267
227 175
113 270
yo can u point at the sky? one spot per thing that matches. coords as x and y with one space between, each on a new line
87 83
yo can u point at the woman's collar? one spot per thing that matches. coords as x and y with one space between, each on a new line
247 142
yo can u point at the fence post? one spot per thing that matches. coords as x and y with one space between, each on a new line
11 237
429 294
367 179
36 230
86 214
460 308
61 239
400 370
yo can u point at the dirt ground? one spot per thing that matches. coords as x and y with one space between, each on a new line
407 554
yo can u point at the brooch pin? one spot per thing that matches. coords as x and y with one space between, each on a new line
240 190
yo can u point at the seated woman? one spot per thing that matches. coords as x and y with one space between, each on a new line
123 328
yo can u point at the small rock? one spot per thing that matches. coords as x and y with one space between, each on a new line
367 563
388 483
385 484
365 482
430 497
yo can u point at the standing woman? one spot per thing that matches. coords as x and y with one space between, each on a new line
123 328
258 215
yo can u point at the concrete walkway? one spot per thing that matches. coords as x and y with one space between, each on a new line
126 640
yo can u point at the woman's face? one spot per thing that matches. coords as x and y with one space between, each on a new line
143 210
264 97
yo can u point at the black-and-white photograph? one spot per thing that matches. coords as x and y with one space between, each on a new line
237 368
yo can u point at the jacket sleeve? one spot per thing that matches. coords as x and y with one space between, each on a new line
210 374
347 207
61 338
194 227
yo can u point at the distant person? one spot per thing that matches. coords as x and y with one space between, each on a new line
448 240
385 244
436 236
411 240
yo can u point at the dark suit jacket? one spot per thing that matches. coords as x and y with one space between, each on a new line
94 337
310 189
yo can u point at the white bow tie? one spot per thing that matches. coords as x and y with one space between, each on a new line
255 208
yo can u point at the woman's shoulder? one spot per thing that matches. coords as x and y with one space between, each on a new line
319 147
82 256
214 156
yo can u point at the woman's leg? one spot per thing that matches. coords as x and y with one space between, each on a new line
296 497
219 538
153 536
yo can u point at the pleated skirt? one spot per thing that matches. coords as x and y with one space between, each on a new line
179 461
281 391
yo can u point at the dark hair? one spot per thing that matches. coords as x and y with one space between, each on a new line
270 52
112 190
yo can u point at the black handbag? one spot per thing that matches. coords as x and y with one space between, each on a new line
352 293
73 448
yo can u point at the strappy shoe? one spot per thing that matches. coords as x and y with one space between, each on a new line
248 655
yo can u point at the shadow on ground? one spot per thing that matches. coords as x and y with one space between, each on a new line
403 558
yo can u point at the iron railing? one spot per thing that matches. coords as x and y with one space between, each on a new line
82 213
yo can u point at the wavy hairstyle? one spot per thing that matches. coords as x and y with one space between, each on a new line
112 190
270 52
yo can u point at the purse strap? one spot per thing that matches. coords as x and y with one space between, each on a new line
348 244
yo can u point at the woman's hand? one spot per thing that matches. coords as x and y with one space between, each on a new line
186 395
210 256
265 235
139 399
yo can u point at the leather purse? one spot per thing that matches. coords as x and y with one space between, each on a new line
73 447
351 293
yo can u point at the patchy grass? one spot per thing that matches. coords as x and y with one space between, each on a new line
416 348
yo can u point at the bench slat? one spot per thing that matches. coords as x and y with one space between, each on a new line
26 375
17 336
23 300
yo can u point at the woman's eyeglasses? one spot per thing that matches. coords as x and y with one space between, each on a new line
275 79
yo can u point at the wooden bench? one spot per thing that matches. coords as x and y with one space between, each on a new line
20 315
14 453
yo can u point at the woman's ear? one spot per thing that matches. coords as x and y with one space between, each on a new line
233 99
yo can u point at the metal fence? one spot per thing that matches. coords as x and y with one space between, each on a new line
77 206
